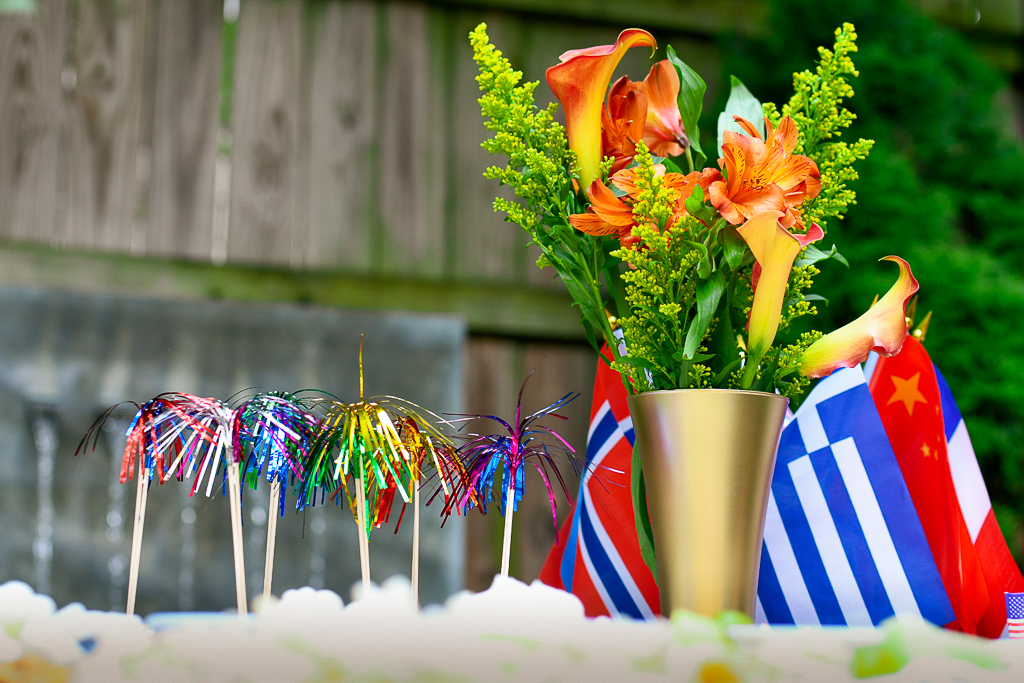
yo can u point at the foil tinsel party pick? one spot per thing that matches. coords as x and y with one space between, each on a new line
275 432
199 433
521 443
358 450
415 434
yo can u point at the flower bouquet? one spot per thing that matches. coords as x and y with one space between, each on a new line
688 273
701 269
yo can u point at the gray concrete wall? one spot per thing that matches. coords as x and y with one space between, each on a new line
65 357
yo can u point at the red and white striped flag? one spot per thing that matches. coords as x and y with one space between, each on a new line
597 557
979 548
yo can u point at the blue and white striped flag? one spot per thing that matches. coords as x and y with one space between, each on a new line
842 542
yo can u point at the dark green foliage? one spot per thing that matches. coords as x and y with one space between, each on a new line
944 188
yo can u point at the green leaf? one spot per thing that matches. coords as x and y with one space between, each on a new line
690 100
723 340
815 297
671 166
813 254
695 202
733 247
696 245
767 381
740 103
642 363
709 292
720 377
643 518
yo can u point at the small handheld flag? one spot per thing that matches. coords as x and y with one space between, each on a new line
1015 614
906 392
597 556
842 542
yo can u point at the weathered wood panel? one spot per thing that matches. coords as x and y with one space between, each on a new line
491 371
31 55
542 45
102 140
265 129
184 128
696 16
342 119
557 370
411 183
484 246
494 371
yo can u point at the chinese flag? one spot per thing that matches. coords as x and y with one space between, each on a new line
906 394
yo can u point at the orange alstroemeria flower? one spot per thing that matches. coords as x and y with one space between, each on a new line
622 123
686 184
580 82
625 179
663 133
607 215
683 185
882 329
764 175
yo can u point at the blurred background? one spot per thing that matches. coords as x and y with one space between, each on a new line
210 195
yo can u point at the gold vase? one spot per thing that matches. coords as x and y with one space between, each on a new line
708 457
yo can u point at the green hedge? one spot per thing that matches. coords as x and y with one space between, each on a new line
944 188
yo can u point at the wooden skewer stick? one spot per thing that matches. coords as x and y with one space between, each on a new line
141 495
416 548
364 540
268 567
506 543
235 501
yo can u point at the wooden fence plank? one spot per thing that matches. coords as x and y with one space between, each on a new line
557 369
31 54
104 125
342 121
494 371
411 182
265 130
184 138
491 371
484 246
745 17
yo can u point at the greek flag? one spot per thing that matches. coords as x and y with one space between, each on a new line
843 544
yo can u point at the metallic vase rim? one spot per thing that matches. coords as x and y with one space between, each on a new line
714 391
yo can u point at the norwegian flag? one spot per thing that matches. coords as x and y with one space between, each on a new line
597 556
1015 614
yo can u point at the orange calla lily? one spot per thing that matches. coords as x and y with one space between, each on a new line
882 329
813 234
663 134
764 175
775 250
580 82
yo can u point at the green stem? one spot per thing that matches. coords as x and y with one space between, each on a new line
748 373
689 158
